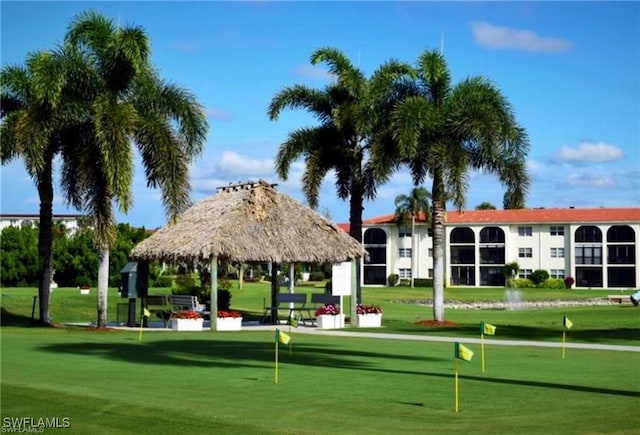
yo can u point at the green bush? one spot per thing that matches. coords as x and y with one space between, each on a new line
405 282
538 276
510 270
423 282
393 279
316 276
163 281
553 283
521 283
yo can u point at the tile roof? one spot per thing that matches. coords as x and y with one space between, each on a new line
537 215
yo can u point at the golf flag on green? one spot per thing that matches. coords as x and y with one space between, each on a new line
567 325
487 328
293 321
566 322
463 352
282 337
147 313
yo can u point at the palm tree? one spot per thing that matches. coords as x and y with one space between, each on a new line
485 205
352 112
35 110
125 102
408 209
443 131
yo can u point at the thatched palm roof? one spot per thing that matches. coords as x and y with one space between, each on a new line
250 223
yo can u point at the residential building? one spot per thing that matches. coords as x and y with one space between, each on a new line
599 248
70 221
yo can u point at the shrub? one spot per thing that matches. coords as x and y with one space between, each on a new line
316 276
163 281
510 270
423 282
224 299
393 279
521 283
405 282
552 283
539 275
569 281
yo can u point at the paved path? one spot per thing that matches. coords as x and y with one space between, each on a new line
255 326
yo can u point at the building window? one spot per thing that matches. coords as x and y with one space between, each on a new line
525 231
557 252
404 232
556 273
404 273
491 235
404 252
430 273
525 252
588 234
525 273
430 252
556 231
588 255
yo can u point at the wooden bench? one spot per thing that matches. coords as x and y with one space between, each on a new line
184 303
158 304
296 305
321 299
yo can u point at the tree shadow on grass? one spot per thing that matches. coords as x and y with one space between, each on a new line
223 354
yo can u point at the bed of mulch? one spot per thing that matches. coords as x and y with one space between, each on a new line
436 323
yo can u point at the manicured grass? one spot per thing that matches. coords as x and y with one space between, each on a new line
616 324
108 382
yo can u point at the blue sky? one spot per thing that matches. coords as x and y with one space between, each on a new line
571 70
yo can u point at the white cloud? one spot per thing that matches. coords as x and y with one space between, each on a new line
590 179
588 152
500 37
314 72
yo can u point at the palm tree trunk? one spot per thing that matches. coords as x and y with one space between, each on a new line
241 276
45 239
103 285
438 260
355 228
413 248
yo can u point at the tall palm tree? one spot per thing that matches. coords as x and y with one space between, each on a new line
36 107
352 112
408 209
443 131
125 103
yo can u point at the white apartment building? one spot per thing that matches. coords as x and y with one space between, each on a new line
70 221
599 248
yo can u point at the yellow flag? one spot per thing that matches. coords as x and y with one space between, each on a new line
147 313
282 337
488 329
293 321
567 323
463 352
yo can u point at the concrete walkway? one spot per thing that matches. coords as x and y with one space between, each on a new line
256 326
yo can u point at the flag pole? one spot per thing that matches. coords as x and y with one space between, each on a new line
276 376
141 323
456 385
564 339
482 347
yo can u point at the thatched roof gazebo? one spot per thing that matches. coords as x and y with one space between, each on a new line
249 222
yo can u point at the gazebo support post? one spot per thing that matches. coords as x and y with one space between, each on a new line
274 292
214 292
354 293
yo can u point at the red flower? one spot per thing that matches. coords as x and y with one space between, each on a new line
222 313
330 309
368 309
187 315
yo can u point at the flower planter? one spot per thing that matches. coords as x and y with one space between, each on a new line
372 320
85 291
228 323
330 321
187 324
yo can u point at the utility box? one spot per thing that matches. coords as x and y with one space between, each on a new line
134 280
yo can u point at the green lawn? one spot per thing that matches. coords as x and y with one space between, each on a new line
108 382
